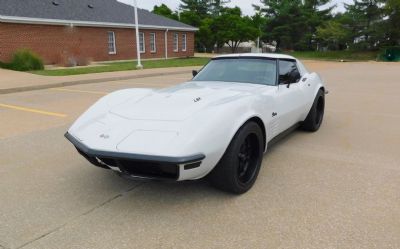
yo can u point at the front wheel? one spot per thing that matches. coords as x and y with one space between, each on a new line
316 114
238 168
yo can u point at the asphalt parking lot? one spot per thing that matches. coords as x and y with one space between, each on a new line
337 188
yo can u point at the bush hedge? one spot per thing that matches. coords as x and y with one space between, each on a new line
24 60
3 65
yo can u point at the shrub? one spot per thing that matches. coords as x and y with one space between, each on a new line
3 65
25 60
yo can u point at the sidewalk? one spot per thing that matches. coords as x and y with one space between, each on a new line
12 81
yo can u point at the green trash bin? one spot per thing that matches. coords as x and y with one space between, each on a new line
391 54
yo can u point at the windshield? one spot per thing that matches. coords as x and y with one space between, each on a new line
243 70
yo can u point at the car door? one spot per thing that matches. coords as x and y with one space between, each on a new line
290 97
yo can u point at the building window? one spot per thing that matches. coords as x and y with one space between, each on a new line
112 49
142 47
184 41
153 47
176 42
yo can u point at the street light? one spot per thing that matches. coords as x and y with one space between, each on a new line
139 63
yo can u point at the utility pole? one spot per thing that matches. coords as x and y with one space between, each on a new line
258 9
139 62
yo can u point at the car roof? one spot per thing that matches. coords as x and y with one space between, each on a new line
264 55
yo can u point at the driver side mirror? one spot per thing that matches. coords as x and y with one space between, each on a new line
194 73
290 78
295 77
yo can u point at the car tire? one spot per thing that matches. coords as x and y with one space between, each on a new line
238 169
316 115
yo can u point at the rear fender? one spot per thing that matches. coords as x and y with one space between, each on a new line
315 82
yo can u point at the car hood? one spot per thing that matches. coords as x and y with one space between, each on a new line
180 102
146 121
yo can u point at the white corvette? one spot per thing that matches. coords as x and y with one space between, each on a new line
218 125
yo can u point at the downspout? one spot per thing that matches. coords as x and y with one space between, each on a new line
166 43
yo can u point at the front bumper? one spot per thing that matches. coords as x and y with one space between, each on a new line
138 166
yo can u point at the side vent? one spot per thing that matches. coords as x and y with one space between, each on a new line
90 6
55 3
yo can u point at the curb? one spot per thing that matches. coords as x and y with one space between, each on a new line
83 82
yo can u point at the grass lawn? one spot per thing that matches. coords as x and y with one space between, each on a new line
337 55
124 66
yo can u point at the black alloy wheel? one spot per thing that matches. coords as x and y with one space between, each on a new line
238 169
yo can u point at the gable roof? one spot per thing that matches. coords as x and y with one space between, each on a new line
103 13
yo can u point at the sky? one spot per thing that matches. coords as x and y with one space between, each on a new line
245 5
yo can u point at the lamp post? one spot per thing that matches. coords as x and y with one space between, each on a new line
139 62
258 9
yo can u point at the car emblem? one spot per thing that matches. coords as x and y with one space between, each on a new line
105 136
197 99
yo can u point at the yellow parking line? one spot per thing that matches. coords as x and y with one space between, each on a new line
78 91
24 109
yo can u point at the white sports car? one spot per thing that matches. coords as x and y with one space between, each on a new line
218 125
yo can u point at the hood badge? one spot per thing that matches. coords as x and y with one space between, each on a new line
197 100
105 136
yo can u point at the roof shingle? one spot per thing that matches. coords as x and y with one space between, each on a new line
102 11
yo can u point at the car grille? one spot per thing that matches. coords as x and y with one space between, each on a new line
157 170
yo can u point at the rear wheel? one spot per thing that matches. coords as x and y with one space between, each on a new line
238 169
316 115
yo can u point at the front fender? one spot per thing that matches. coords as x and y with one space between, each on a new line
211 132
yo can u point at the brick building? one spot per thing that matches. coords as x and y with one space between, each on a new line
62 31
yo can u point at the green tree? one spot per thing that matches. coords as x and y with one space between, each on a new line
216 6
193 11
313 16
206 36
233 28
333 35
366 24
391 24
199 7
191 18
164 10
293 23
282 22
203 14
364 18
